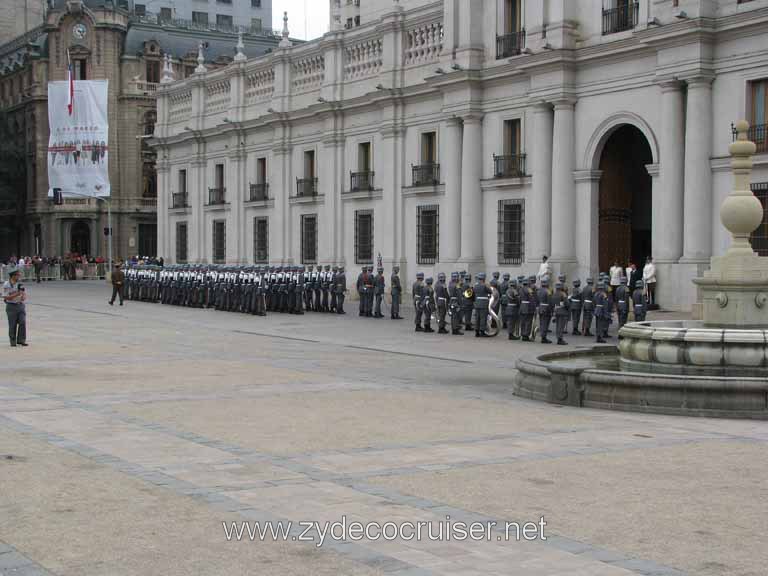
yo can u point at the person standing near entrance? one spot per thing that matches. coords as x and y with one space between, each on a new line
616 272
118 279
649 279
14 296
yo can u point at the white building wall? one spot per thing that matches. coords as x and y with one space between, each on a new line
417 68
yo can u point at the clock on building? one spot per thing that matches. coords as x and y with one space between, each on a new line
79 31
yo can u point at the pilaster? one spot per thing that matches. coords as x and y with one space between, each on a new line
541 193
563 198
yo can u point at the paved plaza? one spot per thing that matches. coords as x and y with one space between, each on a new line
128 436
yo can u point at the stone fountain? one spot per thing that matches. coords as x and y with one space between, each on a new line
717 366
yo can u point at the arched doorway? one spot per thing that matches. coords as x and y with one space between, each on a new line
80 238
625 203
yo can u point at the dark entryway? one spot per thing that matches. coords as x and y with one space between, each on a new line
80 238
625 199
148 239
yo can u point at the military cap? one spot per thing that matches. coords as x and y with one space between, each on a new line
494 282
506 276
590 281
380 269
327 267
558 285
395 268
577 282
561 277
495 274
526 282
480 276
441 276
454 275
430 280
513 282
12 271
520 278
420 275
544 282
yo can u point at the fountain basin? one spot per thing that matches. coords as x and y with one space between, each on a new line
593 378
691 348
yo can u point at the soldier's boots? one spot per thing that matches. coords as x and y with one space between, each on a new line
576 332
419 328
525 339
513 337
545 340
428 328
457 332
561 342
442 331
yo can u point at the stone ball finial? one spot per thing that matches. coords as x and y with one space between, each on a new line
741 212
286 41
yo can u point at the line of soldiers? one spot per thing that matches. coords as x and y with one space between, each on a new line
247 289
371 289
524 307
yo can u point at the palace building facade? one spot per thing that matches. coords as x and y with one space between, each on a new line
457 135
105 39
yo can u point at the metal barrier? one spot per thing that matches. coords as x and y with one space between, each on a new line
68 271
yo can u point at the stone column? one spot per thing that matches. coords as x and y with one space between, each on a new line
451 229
541 193
163 197
236 214
197 197
280 189
697 228
667 223
389 179
587 223
471 196
563 207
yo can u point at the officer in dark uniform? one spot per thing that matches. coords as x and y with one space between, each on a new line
360 286
454 293
588 303
576 304
602 312
623 297
379 285
325 286
441 301
561 306
418 303
496 277
340 289
544 297
638 302
482 296
397 293
467 301
503 288
428 297
332 304
512 309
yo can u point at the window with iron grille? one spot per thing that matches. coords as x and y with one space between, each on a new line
261 240
364 236
219 241
511 227
760 236
181 242
427 234
309 238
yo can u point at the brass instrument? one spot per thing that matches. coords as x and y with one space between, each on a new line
494 324
469 293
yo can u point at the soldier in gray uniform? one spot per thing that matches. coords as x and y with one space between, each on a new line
340 289
602 312
544 297
418 304
512 309
454 293
441 300
622 296
496 277
325 286
379 285
503 288
638 301
428 297
397 293
561 305
588 303
576 303
370 292
309 288
482 294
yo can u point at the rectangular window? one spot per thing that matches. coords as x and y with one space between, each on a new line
309 238
261 171
181 242
364 236
182 188
357 20
255 3
429 148
427 239
140 9
760 236
261 240
256 24
219 241
511 232
512 16
219 175
153 71
166 15
223 22
350 23
309 164
364 157
757 120
224 1
511 137
81 69
200 18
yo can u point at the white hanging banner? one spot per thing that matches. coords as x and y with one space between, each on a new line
78 154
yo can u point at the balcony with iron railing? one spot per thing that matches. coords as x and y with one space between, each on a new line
360 181
217 196
757 134
510 44
258 192
509 166
179 200
426 174
306 187
623 17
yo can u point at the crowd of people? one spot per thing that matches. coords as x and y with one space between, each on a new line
40 267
